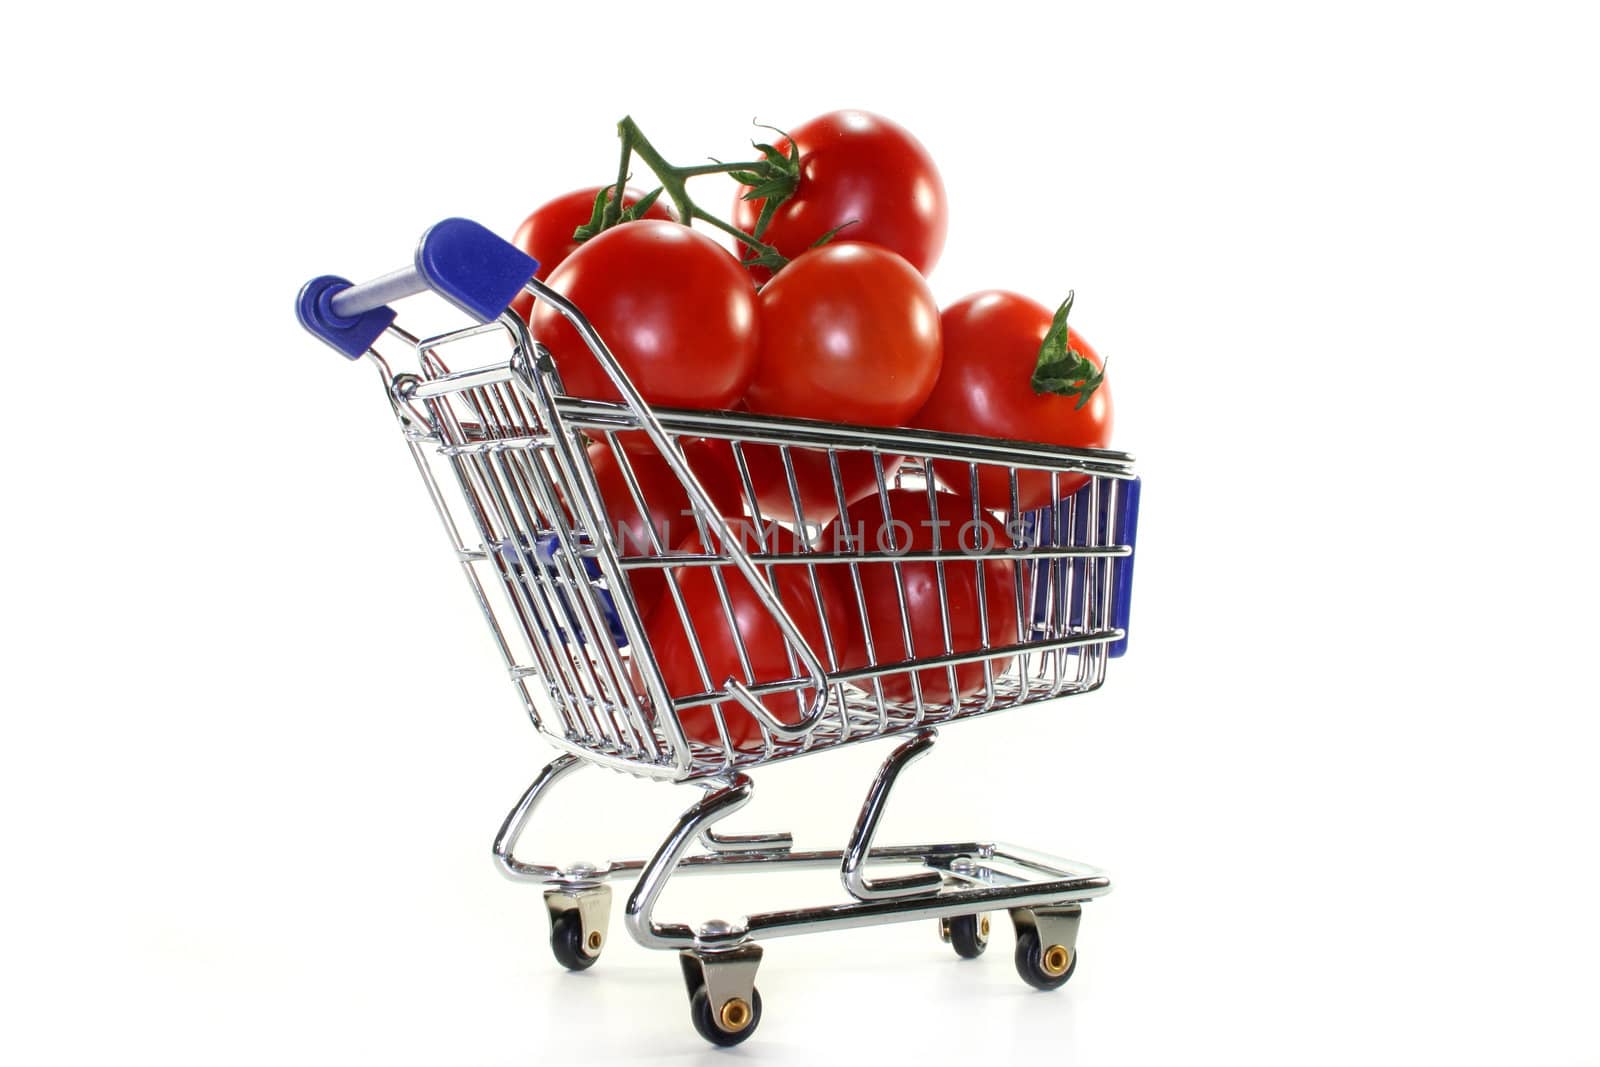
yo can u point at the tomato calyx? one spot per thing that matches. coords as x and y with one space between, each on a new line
774 183
1062 369
776 173
605 214
773 187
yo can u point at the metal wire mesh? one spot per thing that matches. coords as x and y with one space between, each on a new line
920 605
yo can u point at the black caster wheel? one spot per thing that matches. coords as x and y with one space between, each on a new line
567 942
969 935
1044 969
737 1021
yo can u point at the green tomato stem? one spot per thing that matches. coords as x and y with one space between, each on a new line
718 168
613 210
733 231
674 182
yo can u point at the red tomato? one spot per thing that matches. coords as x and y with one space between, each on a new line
674 307
813 477
546 235
666 502
911 528
763 640
856 168
991 344
849 333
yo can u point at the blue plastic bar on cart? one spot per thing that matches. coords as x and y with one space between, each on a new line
1122 568
465 263
543 555
1119 527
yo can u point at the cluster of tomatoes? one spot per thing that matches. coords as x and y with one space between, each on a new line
846 331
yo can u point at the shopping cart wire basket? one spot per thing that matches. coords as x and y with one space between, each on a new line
510 461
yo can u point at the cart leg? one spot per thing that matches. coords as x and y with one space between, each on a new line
637 916
852 870
724 1003
505 842
579 903
719 971
1047 944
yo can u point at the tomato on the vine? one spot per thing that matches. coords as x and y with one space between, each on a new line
849 333
668 510
754 626
546 234
674 307
991 349
912 526
864 173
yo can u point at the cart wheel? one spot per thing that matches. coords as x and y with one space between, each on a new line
968 934
1047 969
735 1013
566 941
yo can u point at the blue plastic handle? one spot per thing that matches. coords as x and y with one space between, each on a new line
351 335
465 263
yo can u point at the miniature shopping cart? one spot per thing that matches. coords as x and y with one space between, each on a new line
508 459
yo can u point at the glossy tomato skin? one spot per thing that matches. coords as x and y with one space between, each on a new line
668 509
813 475
546 234
674 307
991 344
911 526
849 333
769 662
861 169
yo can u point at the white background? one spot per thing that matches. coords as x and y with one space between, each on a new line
1343 263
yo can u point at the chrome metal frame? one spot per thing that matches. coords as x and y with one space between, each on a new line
957 878
503 451
515 446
